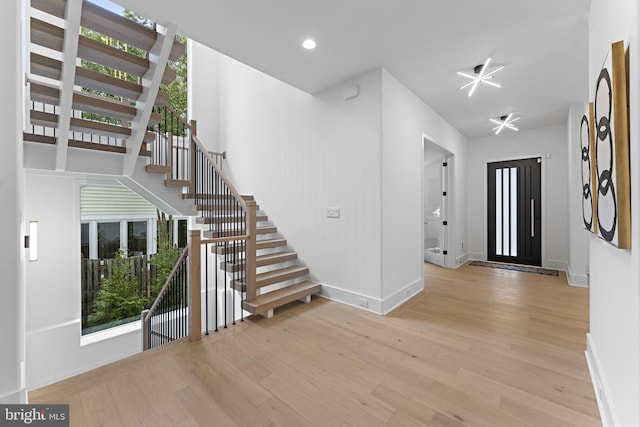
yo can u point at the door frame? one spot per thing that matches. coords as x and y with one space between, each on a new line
543 203
450 258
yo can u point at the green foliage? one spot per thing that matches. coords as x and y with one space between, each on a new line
167 254
119 295
177 89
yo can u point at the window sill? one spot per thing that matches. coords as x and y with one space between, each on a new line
110 333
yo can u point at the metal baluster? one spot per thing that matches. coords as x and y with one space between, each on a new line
226 252
206 288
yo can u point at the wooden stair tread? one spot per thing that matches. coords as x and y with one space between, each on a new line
225 233
281 275
110 24
176 183
220 250
214 207
261 261
52 68
270 243
52 37
82 144
260 244
158 169
216 196
226 219
276 276
90 103
113 25
280 297
40 118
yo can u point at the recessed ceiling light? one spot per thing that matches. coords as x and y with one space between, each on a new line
482 75
505 122
309 44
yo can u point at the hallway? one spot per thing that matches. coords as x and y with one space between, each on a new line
478 347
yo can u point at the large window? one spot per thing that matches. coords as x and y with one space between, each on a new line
84 240
137 238
108 239
182 233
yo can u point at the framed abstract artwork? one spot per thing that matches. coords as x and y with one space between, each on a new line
611 125
589 187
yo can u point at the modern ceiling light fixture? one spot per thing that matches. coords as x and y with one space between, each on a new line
309 44
482 75
505 122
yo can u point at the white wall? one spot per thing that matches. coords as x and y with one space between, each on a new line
405 118
519 145
299 154
614 341
53 326
12 389
578 236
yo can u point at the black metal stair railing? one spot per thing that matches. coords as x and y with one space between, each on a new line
224 214
168 318
172 143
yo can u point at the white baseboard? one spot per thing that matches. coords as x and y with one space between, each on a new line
477 256
400 297
555 264
374 305
462 259
351 298
15 398
600 387
577 280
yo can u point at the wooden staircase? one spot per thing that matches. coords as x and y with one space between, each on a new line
279 276
74 106
90 108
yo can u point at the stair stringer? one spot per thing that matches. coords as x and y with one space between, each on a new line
278 286
95 164
152 188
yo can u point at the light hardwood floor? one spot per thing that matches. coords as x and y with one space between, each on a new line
478 347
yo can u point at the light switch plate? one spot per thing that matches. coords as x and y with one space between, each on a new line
333 212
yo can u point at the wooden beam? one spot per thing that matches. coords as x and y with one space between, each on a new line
195 306
158 57
250 253
70 53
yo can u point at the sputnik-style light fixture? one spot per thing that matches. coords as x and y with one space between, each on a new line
505 122
482 75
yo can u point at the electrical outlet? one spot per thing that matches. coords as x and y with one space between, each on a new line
600 390
408 291
333 212
364 302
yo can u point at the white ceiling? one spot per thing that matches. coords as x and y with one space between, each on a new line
543 45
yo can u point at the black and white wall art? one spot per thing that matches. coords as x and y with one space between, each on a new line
587 153
613 197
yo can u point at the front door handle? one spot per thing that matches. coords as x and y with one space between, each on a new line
533 212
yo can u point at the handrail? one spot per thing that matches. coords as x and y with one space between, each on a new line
177 115
166 285
233 190
224 239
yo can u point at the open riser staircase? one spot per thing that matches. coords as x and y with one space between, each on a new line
109 104
113 104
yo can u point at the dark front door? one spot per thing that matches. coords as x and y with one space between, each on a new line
514 227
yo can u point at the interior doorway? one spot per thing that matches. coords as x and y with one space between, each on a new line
514 211
436 195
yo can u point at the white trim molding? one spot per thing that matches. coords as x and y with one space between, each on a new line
577 280
374 305
600 387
